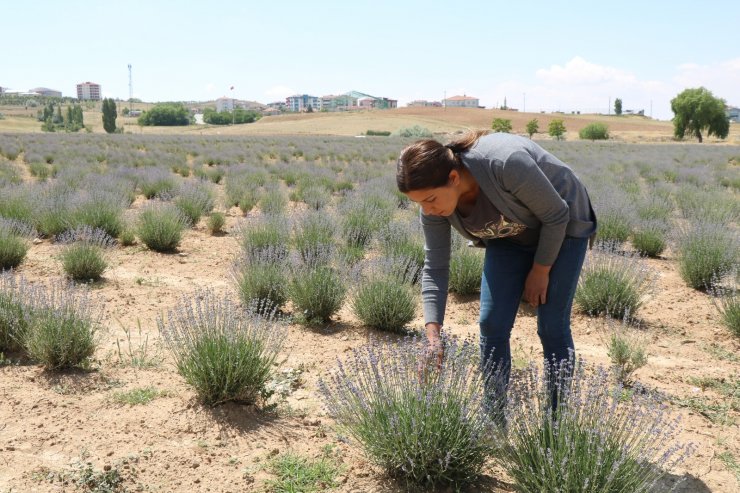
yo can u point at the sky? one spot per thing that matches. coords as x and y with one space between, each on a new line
535 55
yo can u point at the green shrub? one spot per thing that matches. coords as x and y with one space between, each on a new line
727 301
265 233
262 278
14 242
297 473
427 431
83 255
160 227
378 133
706 252
466 269
556 129
225 353
416 131
384 299
216 222
273 201
612 284
316 289
194 200
63 329
599 439
649 238
17 297
313 233
127 237
100 209
501 125
594 131
626 351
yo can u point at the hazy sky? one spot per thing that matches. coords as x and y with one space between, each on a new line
539 55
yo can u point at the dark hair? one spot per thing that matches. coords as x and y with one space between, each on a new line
427 163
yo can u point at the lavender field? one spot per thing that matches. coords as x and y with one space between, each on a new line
201 313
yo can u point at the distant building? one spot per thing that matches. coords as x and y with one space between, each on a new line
341 102
461 102
2 90
277 105
224 104
302 102
733 114
88 91
45 91
424 103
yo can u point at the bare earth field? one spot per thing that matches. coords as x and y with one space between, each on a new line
438 120
50 423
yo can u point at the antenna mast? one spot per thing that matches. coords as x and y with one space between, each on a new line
130 85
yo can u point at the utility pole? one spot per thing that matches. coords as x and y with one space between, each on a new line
609 108
130 87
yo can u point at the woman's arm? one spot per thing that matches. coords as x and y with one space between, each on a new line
436 272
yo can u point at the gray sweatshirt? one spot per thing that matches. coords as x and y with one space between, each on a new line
529 186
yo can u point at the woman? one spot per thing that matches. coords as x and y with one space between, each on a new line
530 212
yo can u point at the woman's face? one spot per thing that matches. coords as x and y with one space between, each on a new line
440 201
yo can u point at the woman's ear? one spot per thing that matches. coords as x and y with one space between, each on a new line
453 179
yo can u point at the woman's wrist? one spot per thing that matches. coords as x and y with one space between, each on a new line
433 329
541 269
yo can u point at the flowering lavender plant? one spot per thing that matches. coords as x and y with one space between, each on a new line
64 326
262 277
14 242
466 268
225 352
17 297
612 284
160 226
83 255
598 439
384 298
425 424
316 288
706 252
194 199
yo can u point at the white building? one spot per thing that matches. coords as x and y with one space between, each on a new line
461 102
45 91
88 91
302 102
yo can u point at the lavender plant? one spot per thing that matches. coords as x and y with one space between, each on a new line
261 278
612 284
316 289
426 430
466 268
83 254
265 233
273 201
156 181
160 226
706 251
53 215
313 233
194 200
216 222
598 439
650 237
223 351
17 297
384 298
626 349
404 238
100 209
726 298
65 322
14 242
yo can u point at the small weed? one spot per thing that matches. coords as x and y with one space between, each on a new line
143 395
297 473
729 461
136 355
720 353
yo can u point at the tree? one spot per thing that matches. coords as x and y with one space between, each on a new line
533 127
109 115
501 125
696 110
556 129
166 114
594 131
618 106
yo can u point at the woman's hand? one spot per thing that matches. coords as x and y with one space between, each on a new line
434 351
535 287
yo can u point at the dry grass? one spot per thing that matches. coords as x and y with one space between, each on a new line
438 120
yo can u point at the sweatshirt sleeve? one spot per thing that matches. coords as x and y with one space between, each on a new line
524 179
436 272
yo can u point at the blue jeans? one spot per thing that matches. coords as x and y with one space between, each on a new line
504 274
